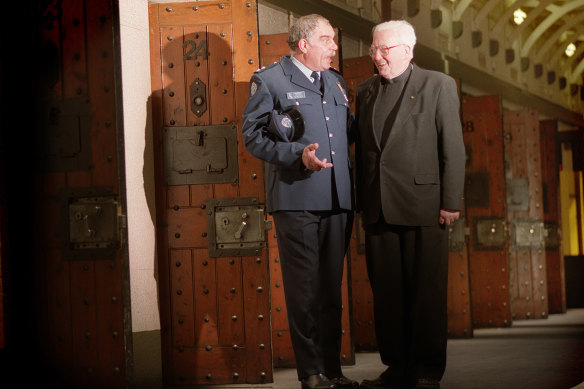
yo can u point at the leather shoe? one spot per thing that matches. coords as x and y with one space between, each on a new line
379 383
317 381
344 382
427 383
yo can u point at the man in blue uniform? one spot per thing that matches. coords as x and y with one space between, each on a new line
296 120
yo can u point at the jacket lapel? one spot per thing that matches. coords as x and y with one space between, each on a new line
367 109
296 76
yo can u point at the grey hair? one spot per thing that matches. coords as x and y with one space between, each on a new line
304 28
403 29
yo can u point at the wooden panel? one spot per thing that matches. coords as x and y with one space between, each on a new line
355 71
220 317
483 139
458 305
527 266
550 176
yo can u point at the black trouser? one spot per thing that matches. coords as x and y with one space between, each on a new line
312 250
408 271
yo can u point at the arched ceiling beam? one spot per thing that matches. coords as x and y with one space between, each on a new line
561 49
530 18
567 68
553 39
575 77
496 31
550 20
459 9
482 14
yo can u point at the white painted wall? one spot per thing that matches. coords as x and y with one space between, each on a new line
135 57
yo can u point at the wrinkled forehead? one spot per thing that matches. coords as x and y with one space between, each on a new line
323 30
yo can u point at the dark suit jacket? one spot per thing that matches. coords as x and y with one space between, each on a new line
289 185
420 168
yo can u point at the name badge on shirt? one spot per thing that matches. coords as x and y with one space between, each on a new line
295 95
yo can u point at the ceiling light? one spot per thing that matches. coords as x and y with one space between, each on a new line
519 16
570 50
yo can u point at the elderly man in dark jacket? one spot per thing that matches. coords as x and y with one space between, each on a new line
410 163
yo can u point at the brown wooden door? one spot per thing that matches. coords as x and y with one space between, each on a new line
355 71
75 330
551 158
272 48
486 211
214 297
527 254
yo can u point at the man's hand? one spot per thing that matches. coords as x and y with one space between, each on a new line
310 160
448 216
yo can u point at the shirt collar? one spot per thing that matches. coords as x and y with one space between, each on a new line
303 68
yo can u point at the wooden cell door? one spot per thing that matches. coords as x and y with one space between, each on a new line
550 158
486 211
68 268
213 271
272 48
355 71
525 215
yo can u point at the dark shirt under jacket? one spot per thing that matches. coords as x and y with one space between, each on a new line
388 100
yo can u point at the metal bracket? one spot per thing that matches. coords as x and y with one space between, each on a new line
66 144
552 236
200 154
489 233
237 226
91 218
198 97
517 194
477 190
528 233
456 235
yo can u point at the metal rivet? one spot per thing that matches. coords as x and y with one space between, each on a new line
181 321
224 63
234 318
248 4
171 65
249 33
260 289
221 5
232 290
231 261
206 319
205 262
116 370
279 334
114 299
179 292
258 260
208 347
168 9
208 376
172 122
250 61
276 259
87 335
177 235
224 91
260 317
171 94
205 291
235 375
196 8
280 357
222 34
262 346
224 120
278 309
204 234
86 301
169 37
235 347
254 176
115 334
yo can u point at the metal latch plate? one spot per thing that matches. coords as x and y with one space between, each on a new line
489 233
237 226
528 233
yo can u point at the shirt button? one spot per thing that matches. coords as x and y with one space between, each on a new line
327 118
324 102
297 103
333 153
330 135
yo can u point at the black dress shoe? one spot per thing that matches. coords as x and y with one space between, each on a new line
380 383
427 383
344 382
317 381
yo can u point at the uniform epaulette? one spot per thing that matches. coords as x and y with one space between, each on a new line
265 67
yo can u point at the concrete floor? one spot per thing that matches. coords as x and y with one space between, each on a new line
534 354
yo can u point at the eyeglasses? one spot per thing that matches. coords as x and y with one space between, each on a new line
384 50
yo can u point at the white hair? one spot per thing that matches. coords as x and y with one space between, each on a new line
403 29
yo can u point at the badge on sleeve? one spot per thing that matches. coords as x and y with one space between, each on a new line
342 90
253 88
